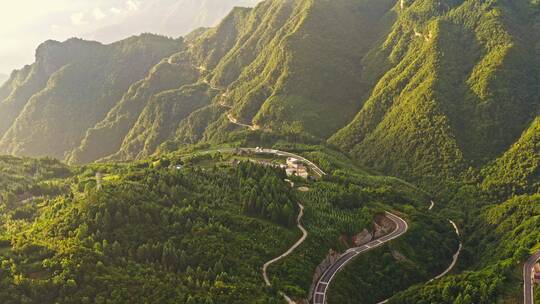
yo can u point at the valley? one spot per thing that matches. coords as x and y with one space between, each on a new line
299 151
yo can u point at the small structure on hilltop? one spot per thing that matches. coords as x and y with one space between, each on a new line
295 167
536 273
294 163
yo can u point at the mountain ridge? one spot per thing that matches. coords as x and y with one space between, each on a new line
423 78
443 94
58 73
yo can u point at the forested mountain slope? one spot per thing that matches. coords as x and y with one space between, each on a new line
444 92
461 86
518 170
47 107
415 88
154 232
282 65
429 79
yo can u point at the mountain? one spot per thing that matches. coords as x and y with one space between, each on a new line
517 171
282 65
442 93
419 89
459 85
172 18
418 56
48 106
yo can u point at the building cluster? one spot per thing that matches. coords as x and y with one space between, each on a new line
296 167
536 273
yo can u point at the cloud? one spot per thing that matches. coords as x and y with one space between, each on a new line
55 27
98 14
78 19
133 5
116 10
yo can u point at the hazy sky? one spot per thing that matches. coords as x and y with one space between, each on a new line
27 23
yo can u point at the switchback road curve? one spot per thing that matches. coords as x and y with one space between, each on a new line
528 292
319 292
454 258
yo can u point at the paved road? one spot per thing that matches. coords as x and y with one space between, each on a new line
454 258
313 167
319 292
303 159
528 293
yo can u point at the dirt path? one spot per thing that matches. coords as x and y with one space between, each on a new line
235 121
454 258
288 252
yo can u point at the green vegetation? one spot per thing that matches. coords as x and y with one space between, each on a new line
83 80
179 235
411 259
458 85
518 170
158 121
264 193
21 179
441 93
190 228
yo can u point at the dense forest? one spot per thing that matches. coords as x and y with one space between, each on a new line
127 199
191 233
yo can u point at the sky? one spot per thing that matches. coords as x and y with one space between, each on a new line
27 23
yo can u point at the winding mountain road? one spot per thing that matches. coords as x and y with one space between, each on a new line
288 252
313 167
528 292
236 122
454 258
319 292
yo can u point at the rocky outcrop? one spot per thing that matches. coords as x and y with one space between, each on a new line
362 238
382 226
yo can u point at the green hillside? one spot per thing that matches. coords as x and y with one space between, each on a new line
160 119
154 233
517 171
460 87
266 73
70 88
443 94
106 137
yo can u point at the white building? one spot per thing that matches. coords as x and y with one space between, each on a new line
302 172
294 163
